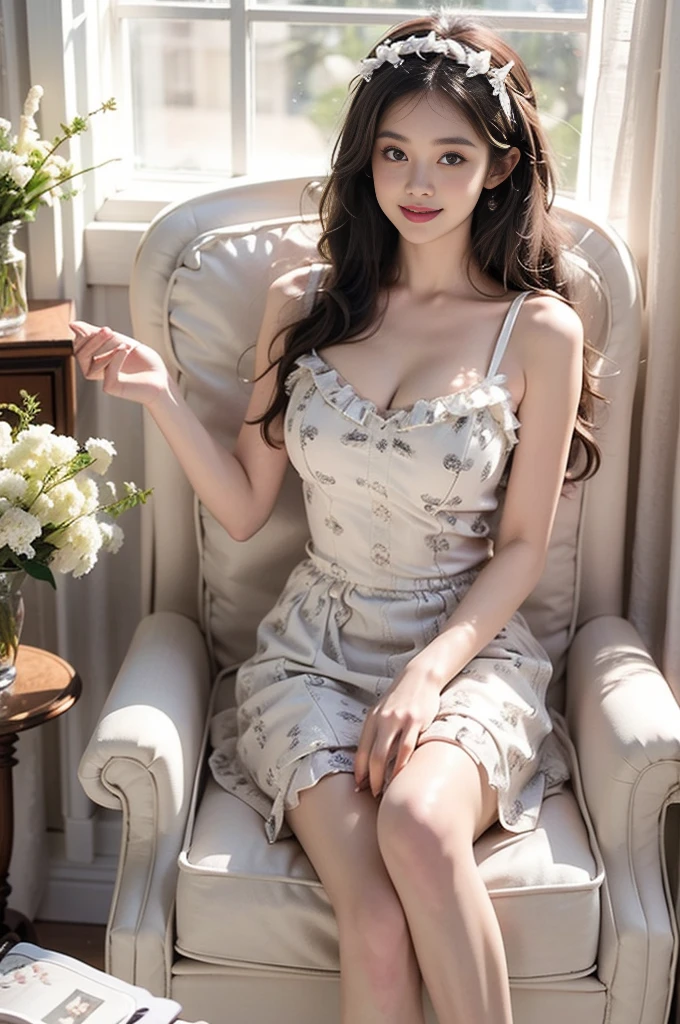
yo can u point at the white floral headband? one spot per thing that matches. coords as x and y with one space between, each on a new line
478 61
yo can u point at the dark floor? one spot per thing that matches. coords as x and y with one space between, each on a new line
83 941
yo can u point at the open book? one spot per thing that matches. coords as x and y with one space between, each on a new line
38 986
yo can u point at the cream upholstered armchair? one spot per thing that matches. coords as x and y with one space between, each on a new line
204 908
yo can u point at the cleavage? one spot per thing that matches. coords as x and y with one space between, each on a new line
390 407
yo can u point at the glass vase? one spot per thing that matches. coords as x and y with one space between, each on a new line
13 304
11 622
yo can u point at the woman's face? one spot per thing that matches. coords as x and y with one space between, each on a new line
429 167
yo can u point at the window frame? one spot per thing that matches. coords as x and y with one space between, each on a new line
243 15
121 201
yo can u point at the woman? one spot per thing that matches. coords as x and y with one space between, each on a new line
395 706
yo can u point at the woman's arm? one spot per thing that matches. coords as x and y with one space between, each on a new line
239 488
551 351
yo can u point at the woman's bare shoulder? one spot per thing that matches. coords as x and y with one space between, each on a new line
283 305
294 283
547 311
552 330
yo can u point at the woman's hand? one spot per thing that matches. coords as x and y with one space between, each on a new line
393 725
126 368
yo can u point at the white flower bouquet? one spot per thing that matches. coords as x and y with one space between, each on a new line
52 517
49 505
32 174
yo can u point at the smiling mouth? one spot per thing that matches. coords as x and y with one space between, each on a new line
419 213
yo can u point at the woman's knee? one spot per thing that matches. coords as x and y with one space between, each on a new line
419 834
409 832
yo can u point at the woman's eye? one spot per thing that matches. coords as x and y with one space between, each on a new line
394 154
449 159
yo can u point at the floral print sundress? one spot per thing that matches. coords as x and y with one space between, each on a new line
398 505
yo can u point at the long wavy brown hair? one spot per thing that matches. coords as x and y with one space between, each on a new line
520 244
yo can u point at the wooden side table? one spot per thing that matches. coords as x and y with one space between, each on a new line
39 357
45 687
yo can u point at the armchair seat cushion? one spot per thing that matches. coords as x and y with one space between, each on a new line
544 885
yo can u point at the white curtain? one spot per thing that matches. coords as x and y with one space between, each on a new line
635 178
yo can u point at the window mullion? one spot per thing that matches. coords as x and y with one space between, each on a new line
173 9
527 21
241 88
592 75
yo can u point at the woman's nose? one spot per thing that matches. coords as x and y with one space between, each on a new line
419 182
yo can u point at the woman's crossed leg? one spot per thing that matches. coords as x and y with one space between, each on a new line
406 891
429 817
380 982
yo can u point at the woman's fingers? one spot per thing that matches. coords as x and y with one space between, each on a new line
90 340
85 333
409 740
380 740
363 751
82 329
86 347
98 364
383 752
107 367
380 756
102 359
92 352
93 362
113 371
107 356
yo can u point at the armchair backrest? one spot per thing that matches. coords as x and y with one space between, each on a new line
197 294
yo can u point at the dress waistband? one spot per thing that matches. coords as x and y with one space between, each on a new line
405 585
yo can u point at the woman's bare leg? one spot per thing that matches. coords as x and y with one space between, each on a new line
429 817
379 978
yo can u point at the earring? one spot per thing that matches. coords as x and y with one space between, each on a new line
492 202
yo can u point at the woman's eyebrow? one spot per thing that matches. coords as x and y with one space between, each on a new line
454 140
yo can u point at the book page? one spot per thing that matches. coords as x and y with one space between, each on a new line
41 990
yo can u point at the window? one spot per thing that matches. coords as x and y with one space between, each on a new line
258 88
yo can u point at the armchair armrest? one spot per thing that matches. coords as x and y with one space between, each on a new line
142 759
625 725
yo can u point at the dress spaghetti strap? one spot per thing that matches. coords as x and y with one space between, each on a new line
506 331
311 286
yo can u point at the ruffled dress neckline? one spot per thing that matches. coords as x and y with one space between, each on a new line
490 393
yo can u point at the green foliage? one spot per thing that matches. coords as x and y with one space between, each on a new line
60 474
39 571
34 567
565 138
133 496
326 107
25 413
